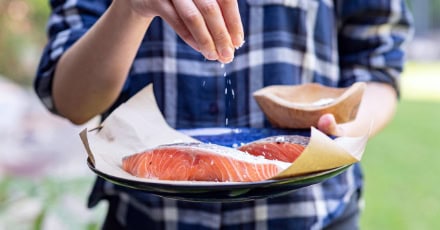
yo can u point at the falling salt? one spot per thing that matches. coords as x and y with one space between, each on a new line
204 83
233 93
226 93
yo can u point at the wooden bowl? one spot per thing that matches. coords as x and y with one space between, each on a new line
301 106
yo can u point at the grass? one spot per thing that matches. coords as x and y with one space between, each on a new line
401 164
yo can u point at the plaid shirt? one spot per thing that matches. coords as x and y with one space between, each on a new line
335 43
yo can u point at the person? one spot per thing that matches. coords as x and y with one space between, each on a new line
100 53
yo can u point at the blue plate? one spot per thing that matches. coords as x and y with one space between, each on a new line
227 192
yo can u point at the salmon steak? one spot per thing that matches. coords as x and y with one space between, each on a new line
282 148
201 162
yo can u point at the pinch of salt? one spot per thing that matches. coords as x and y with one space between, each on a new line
320 102
242 43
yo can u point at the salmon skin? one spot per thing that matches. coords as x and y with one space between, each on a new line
283 148
201 162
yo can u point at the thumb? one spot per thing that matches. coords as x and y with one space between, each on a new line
327 124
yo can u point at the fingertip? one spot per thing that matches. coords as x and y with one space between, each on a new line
210 55
194 45
227 53
322 125
326 120
326 123
226 60
238 41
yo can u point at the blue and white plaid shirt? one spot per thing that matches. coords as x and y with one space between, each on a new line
335 43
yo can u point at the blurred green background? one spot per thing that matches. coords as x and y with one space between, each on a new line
22 35
401 163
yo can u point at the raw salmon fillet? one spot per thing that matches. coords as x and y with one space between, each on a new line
282 148
201 162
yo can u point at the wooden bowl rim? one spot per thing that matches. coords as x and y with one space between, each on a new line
268 93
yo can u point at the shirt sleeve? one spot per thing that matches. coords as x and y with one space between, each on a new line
68 21
372 36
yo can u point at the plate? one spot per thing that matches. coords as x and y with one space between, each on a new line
226 191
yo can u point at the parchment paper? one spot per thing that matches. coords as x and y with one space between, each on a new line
138 125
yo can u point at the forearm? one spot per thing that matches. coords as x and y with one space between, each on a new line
376 110
90 75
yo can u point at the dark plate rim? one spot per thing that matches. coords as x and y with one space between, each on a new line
213 187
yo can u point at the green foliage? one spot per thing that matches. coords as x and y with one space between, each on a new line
46 199
38 223
22 37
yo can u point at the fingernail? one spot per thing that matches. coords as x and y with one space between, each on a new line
210 55
241 44
227 53
238 41
228 60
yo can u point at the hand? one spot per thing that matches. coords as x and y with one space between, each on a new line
327 124
213 27
375 112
